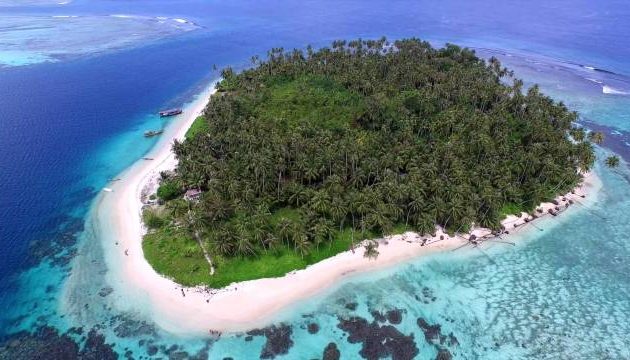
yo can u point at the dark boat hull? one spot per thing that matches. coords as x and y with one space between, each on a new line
171 112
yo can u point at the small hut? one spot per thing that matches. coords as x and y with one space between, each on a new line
192 194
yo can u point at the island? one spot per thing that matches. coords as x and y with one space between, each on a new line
310 154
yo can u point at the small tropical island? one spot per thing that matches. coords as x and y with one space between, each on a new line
313 153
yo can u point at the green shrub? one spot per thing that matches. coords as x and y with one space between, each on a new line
168 190
199 126
152 219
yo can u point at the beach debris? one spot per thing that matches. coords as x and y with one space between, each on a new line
126 252
147 158
108 190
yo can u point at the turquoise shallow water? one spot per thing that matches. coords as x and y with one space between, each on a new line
67 127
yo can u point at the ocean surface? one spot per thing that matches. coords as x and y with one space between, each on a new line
81 81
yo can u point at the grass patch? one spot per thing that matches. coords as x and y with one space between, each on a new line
174 254
285 212
512 209
274 264
198 126
310 99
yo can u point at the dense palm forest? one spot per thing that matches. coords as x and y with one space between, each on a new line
365 138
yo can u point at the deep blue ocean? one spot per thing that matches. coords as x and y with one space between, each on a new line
78 87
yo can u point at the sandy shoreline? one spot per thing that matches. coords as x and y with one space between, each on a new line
248 304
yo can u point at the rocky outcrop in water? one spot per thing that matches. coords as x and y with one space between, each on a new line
331 352
433 335
378 341
394 316
278 340
313 328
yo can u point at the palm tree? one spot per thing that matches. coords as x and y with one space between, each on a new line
371 250
320 202
321 230
223 242
338 211
425 224
612 161
597 137
244 246
271 241
297 194
302 245
585 156
577 134
284 229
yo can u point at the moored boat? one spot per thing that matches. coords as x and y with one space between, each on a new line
170 112
152 133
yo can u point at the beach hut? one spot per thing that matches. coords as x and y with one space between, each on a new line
192 194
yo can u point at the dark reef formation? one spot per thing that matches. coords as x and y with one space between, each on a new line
47 343
379 341
313 328
433 335
331 352
59 245
278 340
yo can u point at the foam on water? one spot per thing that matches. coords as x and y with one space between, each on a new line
611 90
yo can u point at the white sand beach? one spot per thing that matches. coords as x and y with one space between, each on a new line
242 306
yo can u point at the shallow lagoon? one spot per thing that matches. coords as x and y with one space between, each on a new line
34 39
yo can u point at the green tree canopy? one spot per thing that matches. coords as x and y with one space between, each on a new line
370 135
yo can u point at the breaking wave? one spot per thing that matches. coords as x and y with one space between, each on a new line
612 91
